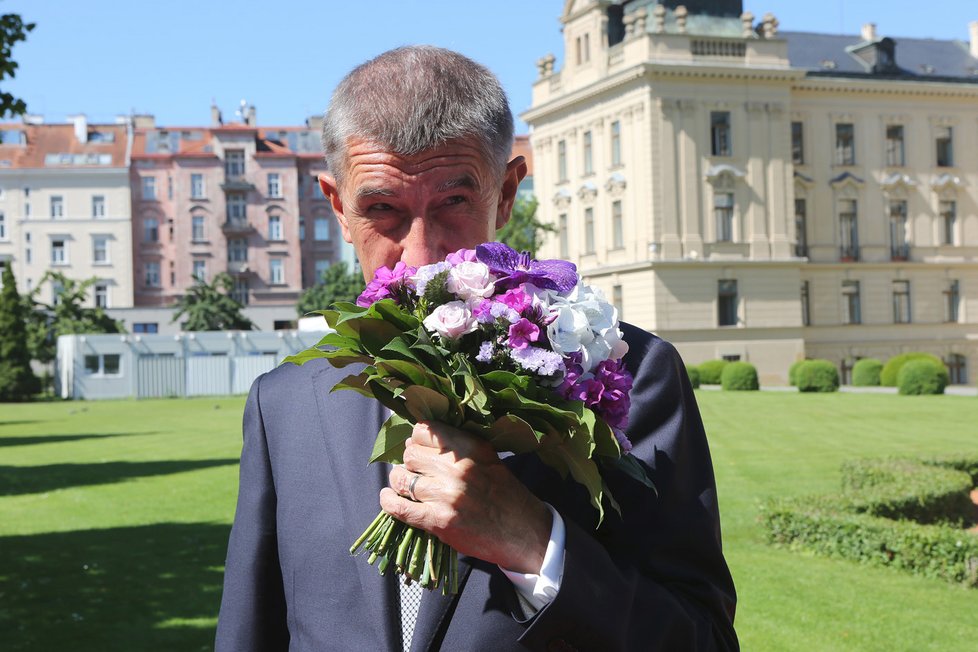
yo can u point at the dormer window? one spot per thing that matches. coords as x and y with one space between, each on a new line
583 48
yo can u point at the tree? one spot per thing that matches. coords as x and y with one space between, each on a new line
12 30
66 316
524 232
17 380
335 285
210 307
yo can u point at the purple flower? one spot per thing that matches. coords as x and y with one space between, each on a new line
514 268
522 333
482 311
535 359
623 440
486 351
516 299
461 256
501 310
385 283
424 274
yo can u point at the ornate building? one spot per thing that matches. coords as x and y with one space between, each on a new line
762 195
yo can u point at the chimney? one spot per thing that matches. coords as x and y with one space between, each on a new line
81 127
869 32
216 120
143 121
973 26
250 119
33 119
315 122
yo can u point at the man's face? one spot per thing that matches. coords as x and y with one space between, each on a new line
418 209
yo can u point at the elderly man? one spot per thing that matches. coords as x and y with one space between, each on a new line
417 144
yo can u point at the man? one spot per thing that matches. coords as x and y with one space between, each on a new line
417 142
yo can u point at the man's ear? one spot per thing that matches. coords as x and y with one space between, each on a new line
515 171
327 182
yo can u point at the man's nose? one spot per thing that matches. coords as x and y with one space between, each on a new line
423 244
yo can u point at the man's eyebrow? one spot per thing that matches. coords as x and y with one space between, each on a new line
464 181
367 192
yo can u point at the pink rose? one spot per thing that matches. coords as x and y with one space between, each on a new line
451 320
470 280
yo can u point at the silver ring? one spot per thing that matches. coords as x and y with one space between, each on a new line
414 481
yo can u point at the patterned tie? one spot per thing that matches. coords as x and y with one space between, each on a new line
410 603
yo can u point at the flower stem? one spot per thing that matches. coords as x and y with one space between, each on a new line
366 533
402 549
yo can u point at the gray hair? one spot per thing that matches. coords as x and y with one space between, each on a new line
415 98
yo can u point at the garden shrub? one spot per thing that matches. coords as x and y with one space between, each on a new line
922 376
899 513
866 372
817 376
793 372
694 376
739 376
888 376
711 370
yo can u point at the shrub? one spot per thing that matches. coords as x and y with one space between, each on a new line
817 376
888 377
739 376
694 376
922 376
793 372
711 370
866 372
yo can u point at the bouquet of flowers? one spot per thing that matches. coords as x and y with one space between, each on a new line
515 350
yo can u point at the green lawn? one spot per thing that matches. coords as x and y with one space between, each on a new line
114 518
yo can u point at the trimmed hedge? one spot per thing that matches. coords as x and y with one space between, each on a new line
922 376
694 376
793 372
888 376
866 372
817 376
930 499
740 377
711 370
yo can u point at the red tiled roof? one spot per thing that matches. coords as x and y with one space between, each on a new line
60 139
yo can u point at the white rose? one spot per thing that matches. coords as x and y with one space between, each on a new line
451 320
470 280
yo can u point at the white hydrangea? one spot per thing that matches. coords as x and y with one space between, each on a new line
585 323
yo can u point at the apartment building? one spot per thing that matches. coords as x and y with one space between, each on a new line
750 193
64 206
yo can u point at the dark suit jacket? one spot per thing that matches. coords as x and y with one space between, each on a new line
654 579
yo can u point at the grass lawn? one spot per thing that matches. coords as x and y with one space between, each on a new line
114 519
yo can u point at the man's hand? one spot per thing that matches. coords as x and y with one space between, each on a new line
468 499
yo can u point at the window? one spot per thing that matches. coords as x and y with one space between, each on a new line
617 300
101 295
237 250
949 220
957 369
851 310
617 229
275 228
583 49
616 143
56 290
952 301
3 227
720 133
98 206
723 210
151 278
321 228
797 143
562 161
317 190
196 186
588 158
845 144
169 186
302 228
274 185
801 228
197 228
106 364
234 163
151 229
27 248
146 327
276 274
57 206
806 306
899 244
240 291
894 146
149 188
200 271
237 208
727 302
100 249
848 230
321 267
59 252
945 147
589 230
901 302
562 235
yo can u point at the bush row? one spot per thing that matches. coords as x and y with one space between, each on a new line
912 373
735 376
899 513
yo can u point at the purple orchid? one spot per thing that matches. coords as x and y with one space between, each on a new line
385 283
516 268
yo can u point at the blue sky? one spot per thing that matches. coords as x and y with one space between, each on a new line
105 58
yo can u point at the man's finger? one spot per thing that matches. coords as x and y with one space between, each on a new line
446 438
403 509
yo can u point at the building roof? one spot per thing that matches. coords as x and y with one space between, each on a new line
163 142
55 146
919 59
521 147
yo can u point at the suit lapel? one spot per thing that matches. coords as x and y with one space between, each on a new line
436 611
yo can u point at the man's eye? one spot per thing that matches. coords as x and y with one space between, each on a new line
456 199
380 206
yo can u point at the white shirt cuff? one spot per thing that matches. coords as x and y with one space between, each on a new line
537 591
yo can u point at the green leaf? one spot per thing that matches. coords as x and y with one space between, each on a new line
312 353
389 445
425 404
605 442
631 466
375 334
384 392
510 433
398 348
584 471
338 341
393 314
340 358
357 383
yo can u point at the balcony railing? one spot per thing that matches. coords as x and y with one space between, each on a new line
801 251
849 253
237 227
237 183
900 252
238 268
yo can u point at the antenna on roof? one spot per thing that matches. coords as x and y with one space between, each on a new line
242 111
